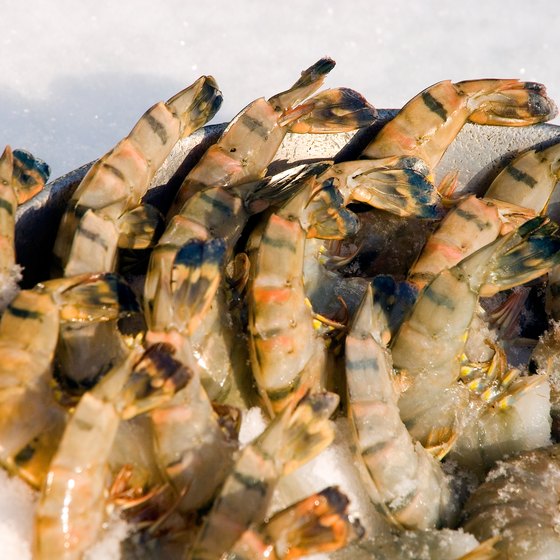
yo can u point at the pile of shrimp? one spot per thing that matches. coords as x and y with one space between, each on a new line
258 289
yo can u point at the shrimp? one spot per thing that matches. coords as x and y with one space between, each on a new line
79 362
518 503
88 236
315 524
399 162
428 347
72 504
287 356
21 176
403 479
31 421
299 433
249 143
521 191
188 419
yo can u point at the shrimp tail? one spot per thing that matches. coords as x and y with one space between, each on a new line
318 523
333 110
102 297
396 299
139 228
196 274
155 379
525 254
30 175
508 102
309 82
328 217
400 191
308 431
196 104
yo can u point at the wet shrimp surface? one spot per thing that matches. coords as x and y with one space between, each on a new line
320 329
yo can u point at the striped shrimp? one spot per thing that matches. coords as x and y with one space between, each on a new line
188 419
213 213
316 524
73 501
100 207
403 479
518 193
249 143
293 437
428 347
287 356
396 172
21 176
31 421
518 504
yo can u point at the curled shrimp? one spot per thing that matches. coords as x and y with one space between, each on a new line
399 162
88 236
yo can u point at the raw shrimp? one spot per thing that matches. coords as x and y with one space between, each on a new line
403 479
519 504
21 176
396 174
88 236
191 446
315 524
287 356
430 121
521 190
72 506
428 347
249 143
31 421
295 436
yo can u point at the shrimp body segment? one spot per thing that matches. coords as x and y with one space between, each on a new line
406 482
521 190
287 356
425 127
89 231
